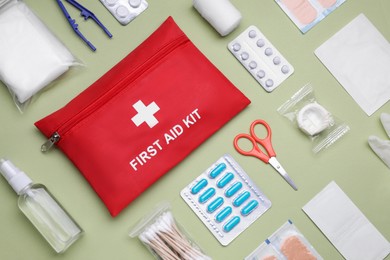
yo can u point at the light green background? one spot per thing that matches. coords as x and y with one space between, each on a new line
350 162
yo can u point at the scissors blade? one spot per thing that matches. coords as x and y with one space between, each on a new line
274 162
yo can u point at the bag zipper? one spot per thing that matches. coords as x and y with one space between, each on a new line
116 89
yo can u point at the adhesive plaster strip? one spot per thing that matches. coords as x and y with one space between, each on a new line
303 11
327 3
293 248
341 221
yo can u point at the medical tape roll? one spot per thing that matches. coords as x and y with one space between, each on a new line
221 14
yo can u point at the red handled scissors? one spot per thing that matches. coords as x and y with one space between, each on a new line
270 156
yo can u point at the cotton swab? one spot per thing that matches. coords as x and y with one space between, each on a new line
165 239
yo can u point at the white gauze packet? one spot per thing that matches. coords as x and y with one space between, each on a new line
342 222
31 56
358 56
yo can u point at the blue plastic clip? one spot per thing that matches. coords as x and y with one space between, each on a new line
86 14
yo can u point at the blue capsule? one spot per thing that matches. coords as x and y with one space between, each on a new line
233 189
207 195
241 198
231 224
249 207
215 204
225 180
217 170
199 186
223 214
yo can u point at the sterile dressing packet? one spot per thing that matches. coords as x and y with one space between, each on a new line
316 122
31 56
346 227
358 56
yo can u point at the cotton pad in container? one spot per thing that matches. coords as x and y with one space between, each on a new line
31 56
314 120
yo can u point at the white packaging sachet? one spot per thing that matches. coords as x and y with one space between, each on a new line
341 221
31 56
358 56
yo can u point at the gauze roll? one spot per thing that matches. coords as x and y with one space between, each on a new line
221 14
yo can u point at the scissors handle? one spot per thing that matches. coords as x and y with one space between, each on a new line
265 142
255 151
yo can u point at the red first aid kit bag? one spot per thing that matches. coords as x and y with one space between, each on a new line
144 116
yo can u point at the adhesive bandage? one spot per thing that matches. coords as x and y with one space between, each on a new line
307 13
260 58
285 243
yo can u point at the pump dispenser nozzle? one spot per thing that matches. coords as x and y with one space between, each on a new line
15 177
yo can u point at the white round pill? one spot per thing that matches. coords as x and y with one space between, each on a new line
111 2
277 60
252 64
261 74
285 69
244 55
122 11
252 34
236 47
269 83
260 43
134 3
268 52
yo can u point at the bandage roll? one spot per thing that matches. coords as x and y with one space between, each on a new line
221 14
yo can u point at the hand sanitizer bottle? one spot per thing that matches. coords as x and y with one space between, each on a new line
42 209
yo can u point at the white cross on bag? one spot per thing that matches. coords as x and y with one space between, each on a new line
145 114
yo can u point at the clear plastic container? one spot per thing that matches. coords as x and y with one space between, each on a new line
42 209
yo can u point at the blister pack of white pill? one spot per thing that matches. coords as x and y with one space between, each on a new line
225 199
125 10
260 58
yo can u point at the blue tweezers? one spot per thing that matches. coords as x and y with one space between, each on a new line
86 14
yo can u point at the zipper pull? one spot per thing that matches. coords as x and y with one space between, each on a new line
49 143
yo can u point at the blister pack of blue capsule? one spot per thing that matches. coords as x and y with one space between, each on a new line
225 199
